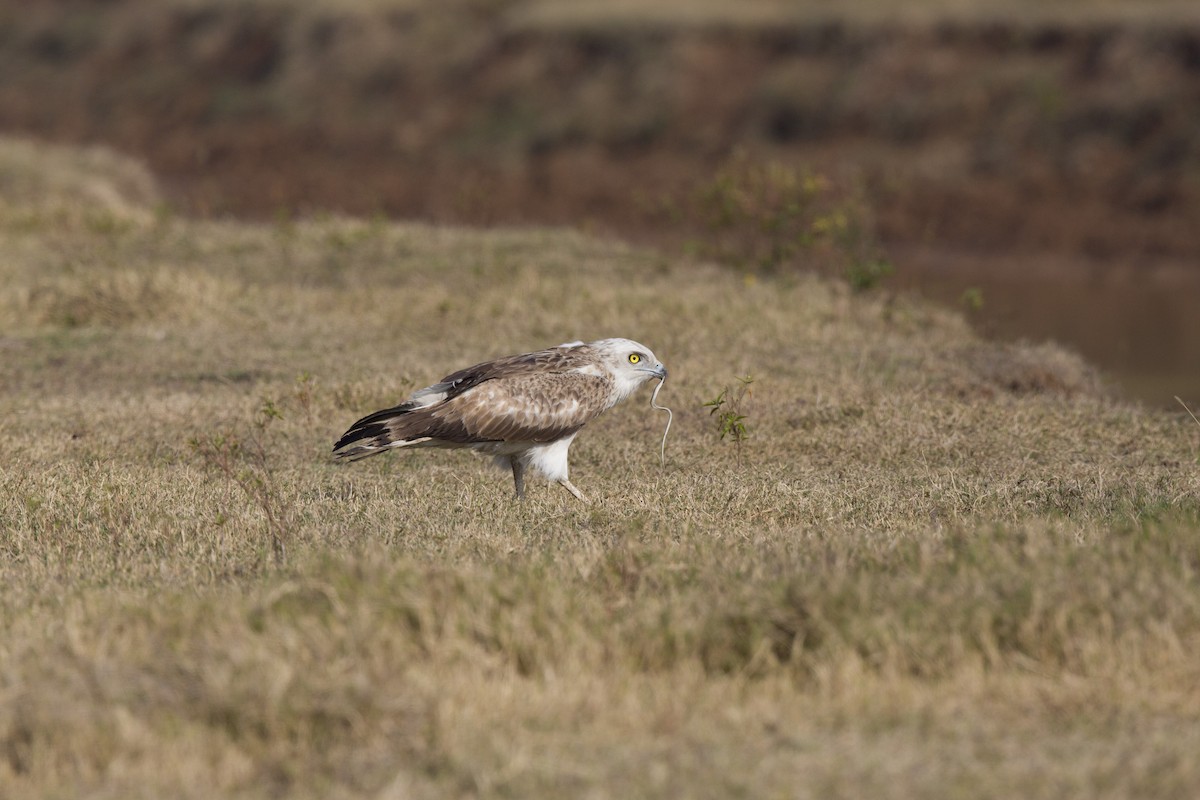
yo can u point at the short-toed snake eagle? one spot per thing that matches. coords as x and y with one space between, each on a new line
525 410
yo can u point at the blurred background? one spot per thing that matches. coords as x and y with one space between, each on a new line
1035 163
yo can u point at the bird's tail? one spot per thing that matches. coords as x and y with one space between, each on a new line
382 431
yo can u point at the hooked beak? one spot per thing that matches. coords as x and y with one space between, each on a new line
658 371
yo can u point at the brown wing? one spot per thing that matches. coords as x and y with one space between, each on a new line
557 359
522 407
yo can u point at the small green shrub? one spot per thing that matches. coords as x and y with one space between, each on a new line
972 299
864 275
773 217
727 408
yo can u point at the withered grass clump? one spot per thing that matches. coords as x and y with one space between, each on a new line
938 566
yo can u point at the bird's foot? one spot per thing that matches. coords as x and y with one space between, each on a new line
570 487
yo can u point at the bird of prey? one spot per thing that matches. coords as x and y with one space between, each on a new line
524 410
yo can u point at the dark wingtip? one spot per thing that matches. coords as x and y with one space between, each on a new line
357 434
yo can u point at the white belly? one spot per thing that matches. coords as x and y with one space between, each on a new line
549 459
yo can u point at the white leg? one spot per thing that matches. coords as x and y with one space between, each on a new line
570 487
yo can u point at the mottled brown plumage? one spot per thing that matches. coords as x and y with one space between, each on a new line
525 409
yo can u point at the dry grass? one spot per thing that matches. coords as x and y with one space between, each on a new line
943 567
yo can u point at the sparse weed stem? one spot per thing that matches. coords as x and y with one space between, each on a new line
1191 414
244 460
1179 400
302 392
286 233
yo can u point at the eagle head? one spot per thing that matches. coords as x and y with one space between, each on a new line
630 363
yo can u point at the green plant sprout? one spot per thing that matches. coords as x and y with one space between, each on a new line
727 408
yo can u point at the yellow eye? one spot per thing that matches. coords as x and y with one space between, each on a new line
634 358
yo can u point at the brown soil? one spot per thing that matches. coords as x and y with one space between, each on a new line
1055 167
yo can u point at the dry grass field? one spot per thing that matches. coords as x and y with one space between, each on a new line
937 567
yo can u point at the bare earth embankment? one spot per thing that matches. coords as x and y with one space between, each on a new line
938 567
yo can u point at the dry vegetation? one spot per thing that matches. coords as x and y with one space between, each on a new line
674 13
939 568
